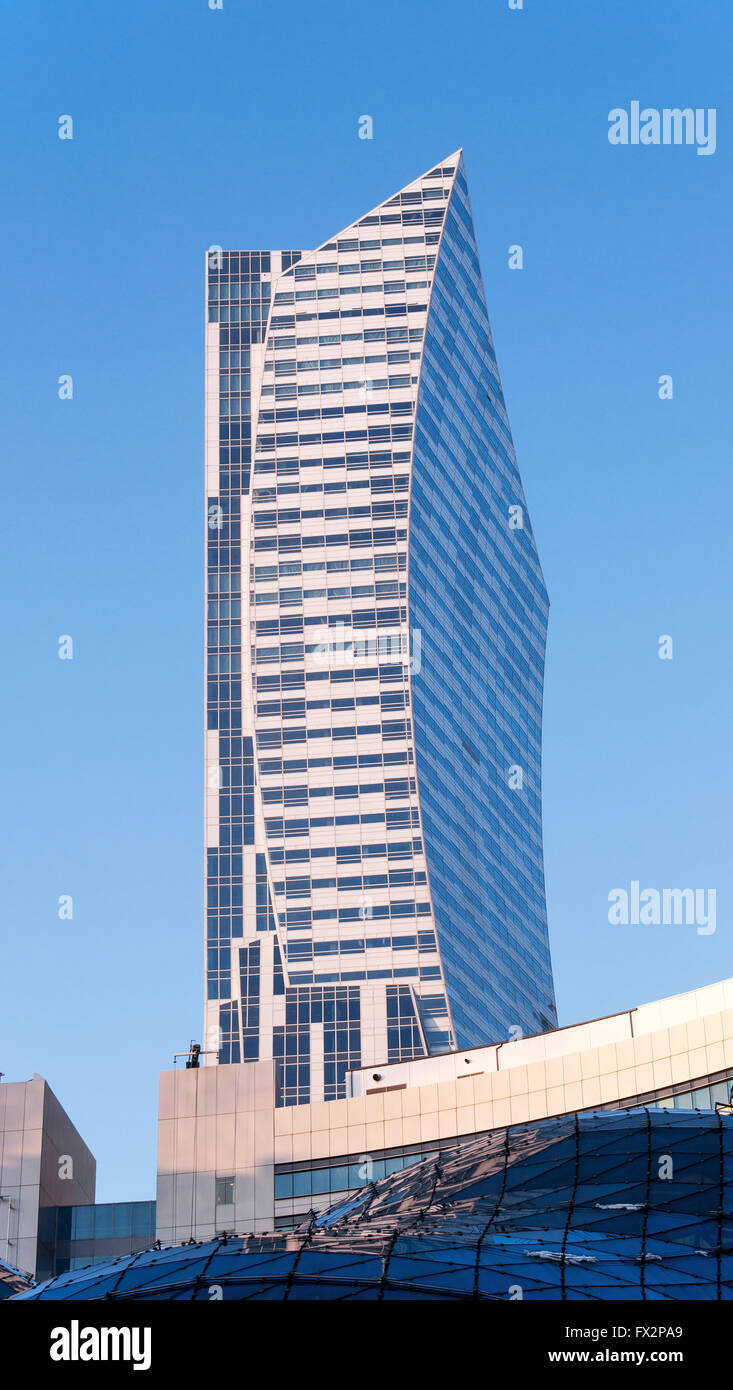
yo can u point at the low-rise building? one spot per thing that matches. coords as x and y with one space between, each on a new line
231 1160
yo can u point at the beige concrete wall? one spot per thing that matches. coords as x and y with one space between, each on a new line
597 1073
215 1122
37 1140
580 1037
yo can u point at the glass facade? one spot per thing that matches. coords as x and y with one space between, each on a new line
375 643
620 1205
75 1237
478 597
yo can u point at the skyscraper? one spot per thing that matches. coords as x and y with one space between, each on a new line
375 653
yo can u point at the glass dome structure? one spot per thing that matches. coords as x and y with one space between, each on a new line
630 1204
12 1280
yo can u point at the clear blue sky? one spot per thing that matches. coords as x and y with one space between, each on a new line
239 127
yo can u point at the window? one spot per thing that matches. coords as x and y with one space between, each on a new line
224 1192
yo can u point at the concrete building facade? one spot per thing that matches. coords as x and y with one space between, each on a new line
44 1163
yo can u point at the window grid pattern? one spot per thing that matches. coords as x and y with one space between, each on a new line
403 1030
337 1012
249 971
322 372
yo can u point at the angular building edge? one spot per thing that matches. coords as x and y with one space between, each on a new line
44 1163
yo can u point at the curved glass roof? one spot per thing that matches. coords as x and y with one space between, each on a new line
608 1205
12 1280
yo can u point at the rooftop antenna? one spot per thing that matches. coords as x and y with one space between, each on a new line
192 1056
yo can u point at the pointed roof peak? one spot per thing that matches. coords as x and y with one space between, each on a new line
439 170
450 161
441 163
